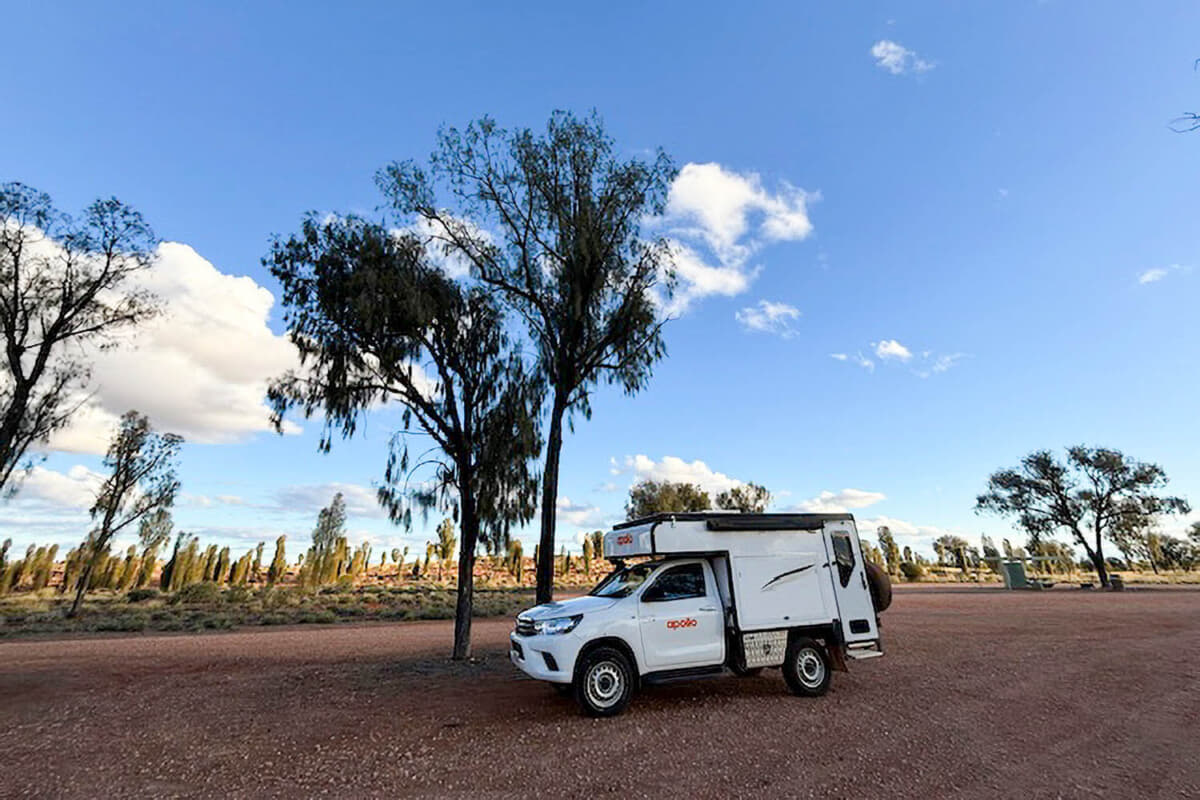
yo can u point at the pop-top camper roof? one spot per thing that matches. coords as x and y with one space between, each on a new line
732 521
716 532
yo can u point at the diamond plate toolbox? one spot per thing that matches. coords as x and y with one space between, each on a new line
764 649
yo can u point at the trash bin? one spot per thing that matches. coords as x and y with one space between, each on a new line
1116 583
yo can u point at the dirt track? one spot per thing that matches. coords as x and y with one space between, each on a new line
982 694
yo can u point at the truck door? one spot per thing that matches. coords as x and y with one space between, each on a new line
849 576
680 618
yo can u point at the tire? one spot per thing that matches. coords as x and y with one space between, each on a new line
604 682
806 668
745 672
880 585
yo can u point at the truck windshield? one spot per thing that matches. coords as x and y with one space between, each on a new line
623 581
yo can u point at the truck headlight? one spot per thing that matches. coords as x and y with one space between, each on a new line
557 625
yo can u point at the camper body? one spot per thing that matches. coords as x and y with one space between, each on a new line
719 593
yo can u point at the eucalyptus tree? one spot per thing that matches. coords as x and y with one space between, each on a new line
552 221
66 286
142 482
747 498
648 497
1092 495
375 321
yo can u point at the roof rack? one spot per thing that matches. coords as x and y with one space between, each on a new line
725 521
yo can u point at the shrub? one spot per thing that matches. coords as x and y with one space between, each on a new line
202 592
138 595
237 594
911 571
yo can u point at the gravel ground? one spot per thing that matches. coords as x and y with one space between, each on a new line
983 693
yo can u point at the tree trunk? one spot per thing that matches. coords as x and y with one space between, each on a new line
1097 557
81 588
545 560
466 579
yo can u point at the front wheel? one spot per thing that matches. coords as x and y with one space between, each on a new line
604 682
806 668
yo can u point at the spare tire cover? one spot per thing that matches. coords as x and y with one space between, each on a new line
881 586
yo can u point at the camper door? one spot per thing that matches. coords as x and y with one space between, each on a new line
849 577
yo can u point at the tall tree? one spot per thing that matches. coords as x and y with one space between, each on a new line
889 549
278 567
653 497
748 498
1087 496
445 544
65 289
570 257
375 321
142 482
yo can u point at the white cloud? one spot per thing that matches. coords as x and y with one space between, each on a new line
74 490
839 502
728 216
897 59
769 317
857 358
200 369
454 264
361 501
581 515
937 364
1158 273
889 349
676 470
924 365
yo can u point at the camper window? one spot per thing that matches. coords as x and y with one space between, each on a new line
677 583
843 554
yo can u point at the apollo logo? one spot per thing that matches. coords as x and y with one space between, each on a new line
625 538
687 622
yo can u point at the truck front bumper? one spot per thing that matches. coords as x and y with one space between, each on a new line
547 658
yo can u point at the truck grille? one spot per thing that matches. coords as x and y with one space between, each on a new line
524 626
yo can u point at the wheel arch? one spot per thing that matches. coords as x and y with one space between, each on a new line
615 642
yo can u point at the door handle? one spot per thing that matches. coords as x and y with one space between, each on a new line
707 608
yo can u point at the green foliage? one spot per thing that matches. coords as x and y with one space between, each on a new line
200 592
1095 490
551 221
67 286
747 498
278 566
587 556
256 567
654 497
445 544
889 549
911 570
598 544
142 481
515 559
141 595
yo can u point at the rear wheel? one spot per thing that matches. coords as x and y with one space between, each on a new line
806 668
604 682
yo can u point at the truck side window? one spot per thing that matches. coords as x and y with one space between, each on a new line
677 583
843 554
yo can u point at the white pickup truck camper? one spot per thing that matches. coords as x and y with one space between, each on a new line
710 593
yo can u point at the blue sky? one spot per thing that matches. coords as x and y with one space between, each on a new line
990 188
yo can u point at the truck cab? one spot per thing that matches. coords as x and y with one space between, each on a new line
709 594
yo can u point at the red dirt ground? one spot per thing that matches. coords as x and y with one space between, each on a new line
983 693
